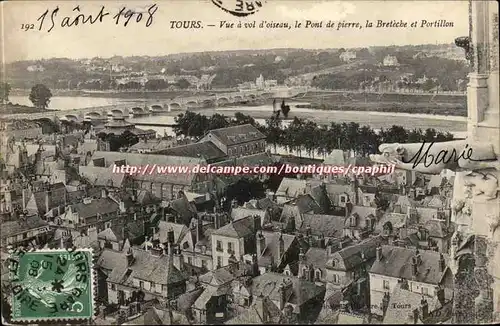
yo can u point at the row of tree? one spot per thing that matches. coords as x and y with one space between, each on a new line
307 136
40 95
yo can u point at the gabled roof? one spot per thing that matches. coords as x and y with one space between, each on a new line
271 251
351 256
180 231
96 206
262 311
239 213
205 149
397 262
326 225
291 187
318 257
237 134
237 229
100 176
302 290
398 313
11 228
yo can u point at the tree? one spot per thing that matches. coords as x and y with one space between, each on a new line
40 96
4 92
183 84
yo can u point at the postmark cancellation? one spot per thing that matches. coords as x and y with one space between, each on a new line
52 285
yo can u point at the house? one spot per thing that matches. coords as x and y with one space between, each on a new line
237 141
426 273
202 254
24 231
290 294
101 213
204 149
360 221
407 307
46 199
163 185
103 177
150 271
347 56
238 213
233 240
289 189
390 61
181 209
262 311
212 305
319 228
293 212
275 251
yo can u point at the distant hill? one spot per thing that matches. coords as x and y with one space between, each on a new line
239 66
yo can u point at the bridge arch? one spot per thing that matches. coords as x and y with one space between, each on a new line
238 98
174 106
116 113
138 110
192 103
223 100
208 102
71 117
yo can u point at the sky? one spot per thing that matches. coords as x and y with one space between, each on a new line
107 39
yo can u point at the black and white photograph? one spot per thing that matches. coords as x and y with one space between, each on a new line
192 162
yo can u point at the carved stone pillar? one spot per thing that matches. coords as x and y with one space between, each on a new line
484 301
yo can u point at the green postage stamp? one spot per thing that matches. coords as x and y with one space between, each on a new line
52 284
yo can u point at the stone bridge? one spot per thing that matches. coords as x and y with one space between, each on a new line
158 107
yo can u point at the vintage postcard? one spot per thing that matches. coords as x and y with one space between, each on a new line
249 162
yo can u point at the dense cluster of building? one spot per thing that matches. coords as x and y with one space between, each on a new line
173 249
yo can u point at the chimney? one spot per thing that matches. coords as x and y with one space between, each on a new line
442 263
322 241
199 229
216 221
414 266
103 193
255 266
178 259
281 249
122 206
47 201
170 248
379 253
130 257
261 243
424 309
170 236
282 293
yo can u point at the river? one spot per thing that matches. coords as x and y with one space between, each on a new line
377 120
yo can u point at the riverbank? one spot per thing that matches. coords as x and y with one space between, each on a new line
11 108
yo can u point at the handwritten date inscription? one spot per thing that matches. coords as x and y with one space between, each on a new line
52 19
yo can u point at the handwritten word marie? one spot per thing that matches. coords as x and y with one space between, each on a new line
51 19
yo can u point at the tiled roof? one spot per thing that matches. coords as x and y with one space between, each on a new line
398 313
237 134
242 212
103 177
180 231
100 205
397 262
205 149
271 251
351 255
262 311
11 228
146 266
184 208
138 159
437 228
397 220
307 204
237 229
326 225
303 290
318 257
290 187
56 194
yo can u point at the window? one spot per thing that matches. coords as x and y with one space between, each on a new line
386 285
336 278
141 284
230 248
317 274
203 263
287 272
190 261
342 199
219 245
113 287
185 245
107 225
219 261
425 291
